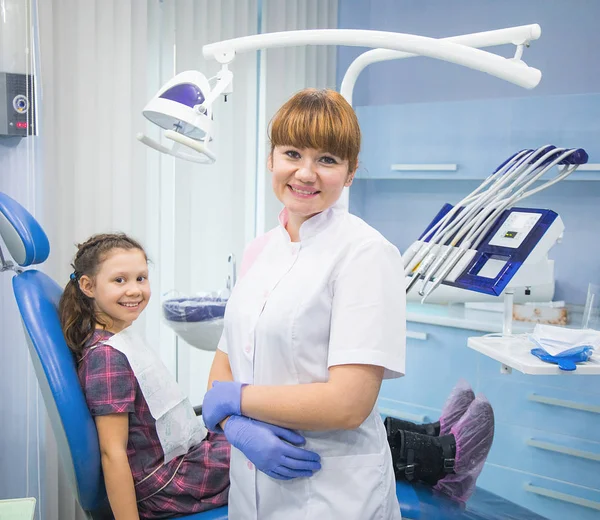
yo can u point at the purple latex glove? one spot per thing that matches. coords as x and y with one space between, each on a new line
270 448
221 401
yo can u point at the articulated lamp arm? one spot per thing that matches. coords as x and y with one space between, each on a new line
514 71
519 36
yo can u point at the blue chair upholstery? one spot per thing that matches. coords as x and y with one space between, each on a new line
24 237
37 297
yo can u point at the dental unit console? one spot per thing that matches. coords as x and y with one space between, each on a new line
484 246
514 253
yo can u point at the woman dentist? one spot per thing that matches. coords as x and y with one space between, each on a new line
313 326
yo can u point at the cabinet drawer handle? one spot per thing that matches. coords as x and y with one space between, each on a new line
553 401
412 417
563 497
416 335
550 446
404 167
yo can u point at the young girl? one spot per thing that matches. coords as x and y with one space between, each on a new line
107 291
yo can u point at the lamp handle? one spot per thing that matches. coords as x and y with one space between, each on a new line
183 140
194 144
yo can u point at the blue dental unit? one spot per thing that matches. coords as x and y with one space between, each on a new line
37 297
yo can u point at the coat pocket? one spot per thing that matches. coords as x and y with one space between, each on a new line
352 487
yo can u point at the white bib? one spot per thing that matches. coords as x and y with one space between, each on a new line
177 426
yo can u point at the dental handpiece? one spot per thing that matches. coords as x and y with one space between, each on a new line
451 263
413 256
423 266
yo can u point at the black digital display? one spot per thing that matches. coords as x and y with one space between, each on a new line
510 234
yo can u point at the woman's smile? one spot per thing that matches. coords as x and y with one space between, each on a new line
302 192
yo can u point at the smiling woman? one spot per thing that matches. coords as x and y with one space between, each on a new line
298 327
315 141
321 119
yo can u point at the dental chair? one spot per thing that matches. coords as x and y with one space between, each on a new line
37 297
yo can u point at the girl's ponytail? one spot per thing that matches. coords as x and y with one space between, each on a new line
77 316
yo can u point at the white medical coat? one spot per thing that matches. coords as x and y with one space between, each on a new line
336 297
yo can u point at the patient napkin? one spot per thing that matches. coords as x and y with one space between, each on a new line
177 426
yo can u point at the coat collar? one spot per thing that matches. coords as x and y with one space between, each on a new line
314 225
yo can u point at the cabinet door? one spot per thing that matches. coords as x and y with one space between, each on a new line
556 500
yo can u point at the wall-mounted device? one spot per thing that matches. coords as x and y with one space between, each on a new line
17 105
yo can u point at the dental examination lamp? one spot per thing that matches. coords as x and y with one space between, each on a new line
183 107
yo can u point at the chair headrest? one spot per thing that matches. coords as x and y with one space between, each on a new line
24 237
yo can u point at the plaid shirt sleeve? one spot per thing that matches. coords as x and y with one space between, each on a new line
109 383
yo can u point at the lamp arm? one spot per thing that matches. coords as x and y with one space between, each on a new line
223 85
513 71
521 35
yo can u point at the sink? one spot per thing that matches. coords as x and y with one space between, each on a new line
197 320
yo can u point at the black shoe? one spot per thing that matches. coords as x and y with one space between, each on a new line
392 425
422 458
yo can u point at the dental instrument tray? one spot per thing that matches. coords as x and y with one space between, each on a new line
198 320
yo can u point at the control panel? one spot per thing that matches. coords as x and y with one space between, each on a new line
17 105
515 229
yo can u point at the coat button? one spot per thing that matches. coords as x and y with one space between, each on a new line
247 349
250 465
266 294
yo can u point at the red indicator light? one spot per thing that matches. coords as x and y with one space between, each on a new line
21 124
